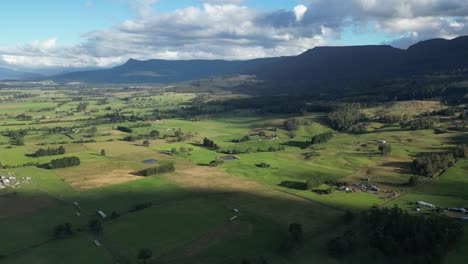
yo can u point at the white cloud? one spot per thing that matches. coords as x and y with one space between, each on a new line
299 11
212 31
224 29
143 8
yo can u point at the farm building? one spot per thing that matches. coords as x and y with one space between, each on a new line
102 214
97 243
345 189
458 210
424 204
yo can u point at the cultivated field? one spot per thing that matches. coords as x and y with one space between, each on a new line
186 215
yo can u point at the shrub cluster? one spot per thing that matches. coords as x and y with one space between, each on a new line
344 118
291 124
322 138
62 231
208 143
139 207
420 123
125 129
216 163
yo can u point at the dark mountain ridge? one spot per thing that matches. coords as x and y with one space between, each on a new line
347 67
321 68
165 71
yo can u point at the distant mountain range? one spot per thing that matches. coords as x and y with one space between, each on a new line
345 67
9 74
321 68
164 71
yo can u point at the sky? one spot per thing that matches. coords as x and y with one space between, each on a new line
104 33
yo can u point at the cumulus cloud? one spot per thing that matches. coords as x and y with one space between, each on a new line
213 31
226 29
299 11
407 21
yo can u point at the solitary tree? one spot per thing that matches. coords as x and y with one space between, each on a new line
314 182
291 124
385 149
295 231
173 151
95 226
103 152
348 216
216 163
154 134
413 181
145 255
62 231
146 143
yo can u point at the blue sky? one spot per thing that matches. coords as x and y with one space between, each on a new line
67 20
30 20
103 33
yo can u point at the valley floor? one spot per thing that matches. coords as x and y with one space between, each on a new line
186 216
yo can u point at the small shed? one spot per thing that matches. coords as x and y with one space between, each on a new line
102 214
97 243
233 218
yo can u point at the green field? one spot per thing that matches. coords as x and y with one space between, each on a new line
186 214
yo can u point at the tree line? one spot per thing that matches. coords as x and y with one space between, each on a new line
62 163
395 233
163 168
345 117
208 143
17 136
124 129
430 164
48 152
322 138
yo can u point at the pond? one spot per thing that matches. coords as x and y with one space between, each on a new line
228 158
150 161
